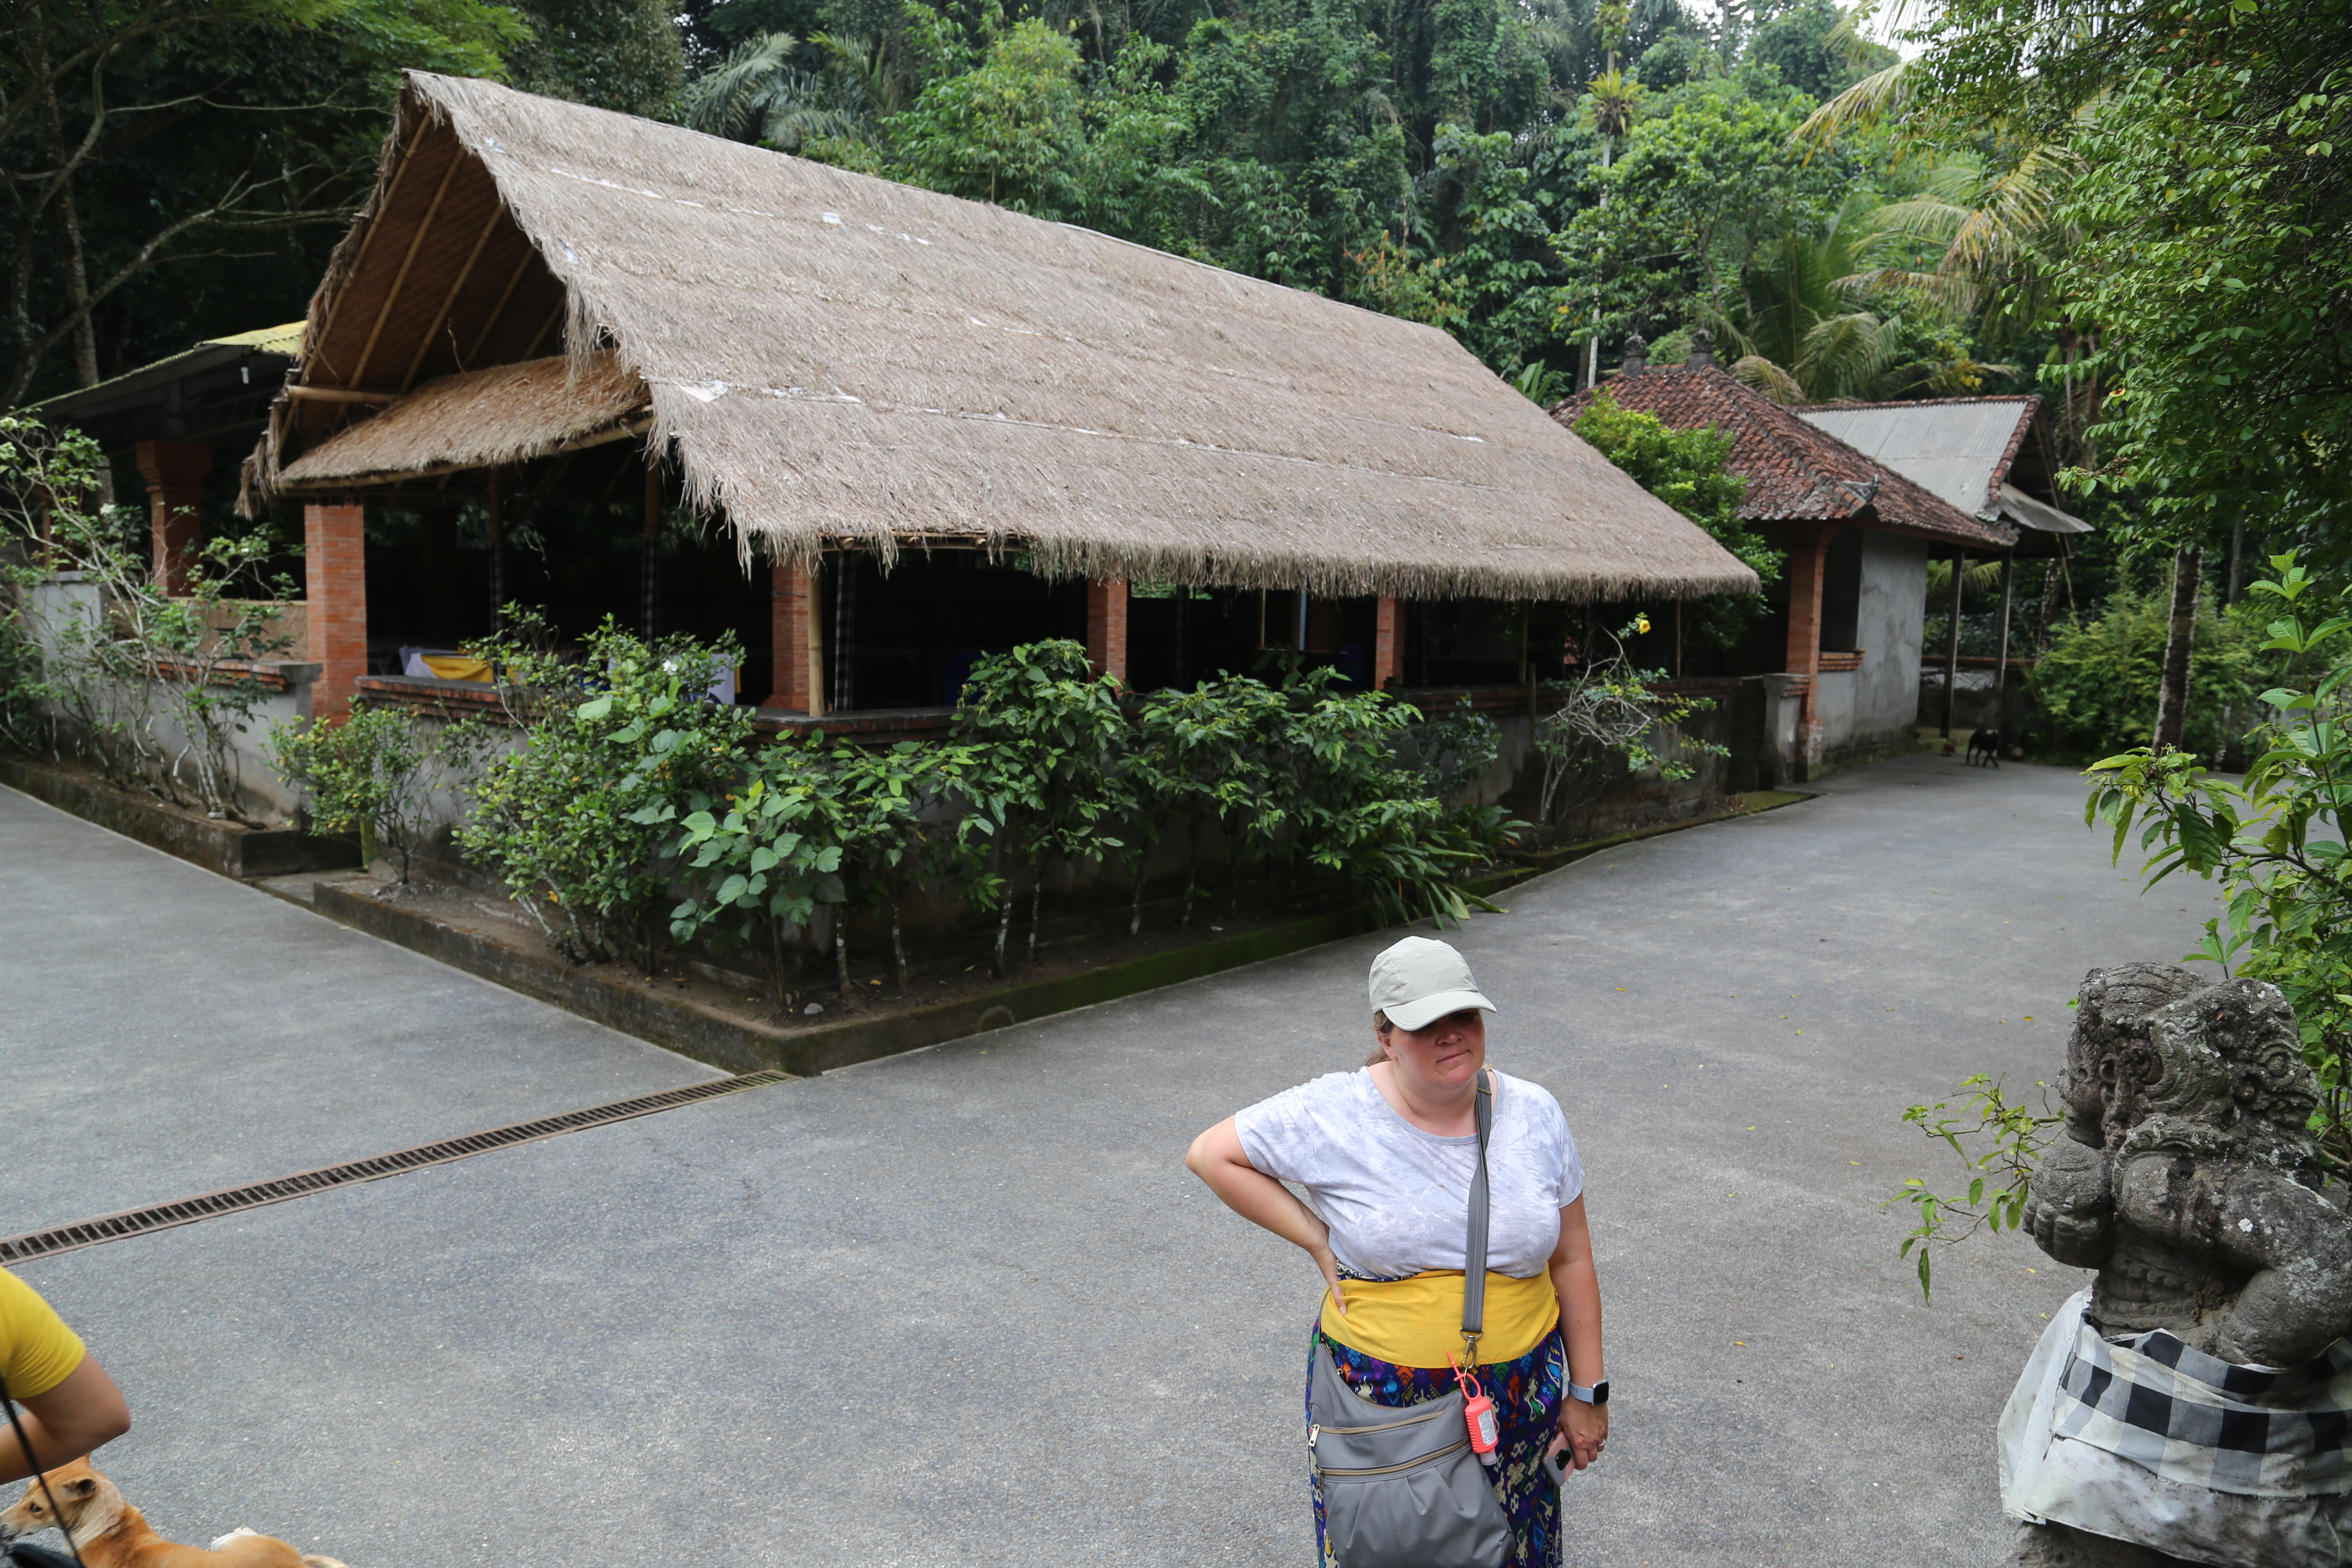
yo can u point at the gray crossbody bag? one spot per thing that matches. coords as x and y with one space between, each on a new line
1400 1487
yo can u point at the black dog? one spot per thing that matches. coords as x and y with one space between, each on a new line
1989 742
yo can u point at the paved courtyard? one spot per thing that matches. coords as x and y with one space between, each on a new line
965 1306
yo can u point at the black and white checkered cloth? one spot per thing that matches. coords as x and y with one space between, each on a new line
2197 1419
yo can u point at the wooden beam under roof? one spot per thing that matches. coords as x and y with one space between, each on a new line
415 243
314 345
449 299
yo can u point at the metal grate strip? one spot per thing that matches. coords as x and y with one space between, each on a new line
187 1211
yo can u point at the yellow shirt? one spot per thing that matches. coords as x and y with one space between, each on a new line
37 1351
1417 1321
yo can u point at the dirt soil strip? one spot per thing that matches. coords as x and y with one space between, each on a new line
702 1020
187 1211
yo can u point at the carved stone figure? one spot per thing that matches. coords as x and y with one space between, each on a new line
2187 1178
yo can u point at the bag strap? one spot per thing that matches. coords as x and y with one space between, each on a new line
1473 1254
41 1479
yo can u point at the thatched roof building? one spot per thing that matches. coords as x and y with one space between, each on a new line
831 359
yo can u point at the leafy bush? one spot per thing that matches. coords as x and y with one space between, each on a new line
1049 745
125 654
613 748
2275 842
2097 684
2275 839
764 858
1685 469
1614 718
376 774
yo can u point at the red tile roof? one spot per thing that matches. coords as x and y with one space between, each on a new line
1794 471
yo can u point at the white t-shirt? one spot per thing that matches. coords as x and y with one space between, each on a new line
1398 1199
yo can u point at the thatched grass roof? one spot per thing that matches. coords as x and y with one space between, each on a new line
508 414
836 359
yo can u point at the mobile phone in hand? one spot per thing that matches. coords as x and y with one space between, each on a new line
1556 1465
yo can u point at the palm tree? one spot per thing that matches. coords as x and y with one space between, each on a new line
1812 323
1613 100
1996 224
757 94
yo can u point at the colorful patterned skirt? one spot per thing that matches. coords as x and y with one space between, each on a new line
1526 1395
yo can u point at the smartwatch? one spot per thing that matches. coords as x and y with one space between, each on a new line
1597 1394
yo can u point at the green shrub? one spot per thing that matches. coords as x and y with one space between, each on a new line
375 775
1685 469
124 654
1049 746
763 857
615 749
2097 685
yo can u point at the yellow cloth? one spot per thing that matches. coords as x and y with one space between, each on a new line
1417 1321
37 1351
456 666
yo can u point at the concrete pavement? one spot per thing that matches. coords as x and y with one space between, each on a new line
965 1307
166 1033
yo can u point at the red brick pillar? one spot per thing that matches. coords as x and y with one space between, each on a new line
794 656
174 471
1388 644
1107 628
334 553
1809 556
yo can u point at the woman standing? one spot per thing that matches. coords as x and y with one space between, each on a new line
1389 1153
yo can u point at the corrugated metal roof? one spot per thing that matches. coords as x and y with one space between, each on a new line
2023 509
1959 448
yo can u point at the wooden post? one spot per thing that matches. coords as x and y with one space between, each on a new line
438 531
334 553
175 472
651 573
498 529
796 649
1527 658
2001 656
1952 646
1808 555
1388 644
1107 628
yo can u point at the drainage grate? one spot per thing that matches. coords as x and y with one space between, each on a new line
187 1211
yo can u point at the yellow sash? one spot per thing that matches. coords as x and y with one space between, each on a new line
1417 1321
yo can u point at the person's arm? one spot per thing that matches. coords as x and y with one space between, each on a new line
1583 1427
83 1413
1216 1157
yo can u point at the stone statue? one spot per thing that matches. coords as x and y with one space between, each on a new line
2187 1178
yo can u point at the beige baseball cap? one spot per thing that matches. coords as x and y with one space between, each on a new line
1419 980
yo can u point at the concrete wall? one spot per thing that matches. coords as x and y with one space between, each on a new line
262 795
1866 712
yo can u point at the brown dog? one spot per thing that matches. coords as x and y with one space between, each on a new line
110 1534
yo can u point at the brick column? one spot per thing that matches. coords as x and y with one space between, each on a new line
334 552
1809 556
1388 644
795 683
174 471
1107 628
